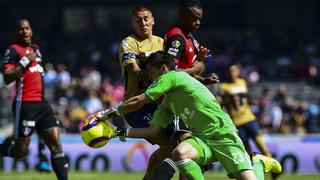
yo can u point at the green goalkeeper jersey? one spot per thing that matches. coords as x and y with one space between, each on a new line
187 98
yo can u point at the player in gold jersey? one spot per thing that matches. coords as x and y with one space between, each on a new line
133 51
235 100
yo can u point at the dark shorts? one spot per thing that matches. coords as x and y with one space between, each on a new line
143 117
248 131
32 115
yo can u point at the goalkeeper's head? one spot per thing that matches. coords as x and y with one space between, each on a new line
190 15
159 63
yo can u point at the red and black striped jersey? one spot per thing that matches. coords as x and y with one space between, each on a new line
29 85
182 47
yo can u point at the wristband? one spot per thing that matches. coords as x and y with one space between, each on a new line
24 62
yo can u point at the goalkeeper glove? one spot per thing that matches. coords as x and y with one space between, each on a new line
122 133
107 114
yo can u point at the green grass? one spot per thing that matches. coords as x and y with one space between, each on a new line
30 175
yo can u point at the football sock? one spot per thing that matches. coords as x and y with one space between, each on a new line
166 170
60 165
261 145
155 161
258 169
42 151
190 169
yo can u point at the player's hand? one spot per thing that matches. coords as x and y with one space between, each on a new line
118 132
32 56
203 53
211 79
107 114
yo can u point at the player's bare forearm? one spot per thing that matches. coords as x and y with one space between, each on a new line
133 104
197 68
12 74
144 132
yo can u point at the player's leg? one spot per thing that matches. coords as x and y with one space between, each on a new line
183 157
244 136
141 119
178 132
256 135
43 164
24 123
48 129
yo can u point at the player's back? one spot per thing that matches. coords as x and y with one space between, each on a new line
194 104
132 50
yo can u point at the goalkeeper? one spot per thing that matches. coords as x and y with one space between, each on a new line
214 137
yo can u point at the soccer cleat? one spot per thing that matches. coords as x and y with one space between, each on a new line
269 164
43 167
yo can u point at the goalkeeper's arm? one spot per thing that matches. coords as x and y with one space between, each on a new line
133 104
130 105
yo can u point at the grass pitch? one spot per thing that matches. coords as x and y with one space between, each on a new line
31 175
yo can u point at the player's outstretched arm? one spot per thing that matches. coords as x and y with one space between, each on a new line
130 105
145 133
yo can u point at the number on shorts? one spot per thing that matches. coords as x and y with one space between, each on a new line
237 157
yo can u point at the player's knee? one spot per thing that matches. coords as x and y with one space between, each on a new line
179 154
55 147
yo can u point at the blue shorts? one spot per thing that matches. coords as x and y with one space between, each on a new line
142 117
248 130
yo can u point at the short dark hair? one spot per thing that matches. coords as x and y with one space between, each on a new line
185 4
140 8
18 21
159 58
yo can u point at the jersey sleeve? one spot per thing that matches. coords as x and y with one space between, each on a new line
10 58
162 116
127 52
175 45
160 86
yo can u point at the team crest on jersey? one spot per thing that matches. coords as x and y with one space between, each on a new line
26 131
176 44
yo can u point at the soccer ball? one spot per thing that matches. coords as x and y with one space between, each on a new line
96 134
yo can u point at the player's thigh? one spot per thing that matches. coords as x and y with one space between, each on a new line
253 129
197 150
230 151
243 133
25 118
22 143
46 118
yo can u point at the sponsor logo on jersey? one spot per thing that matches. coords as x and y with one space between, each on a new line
28 123
190 49
26 131
173 51
36 68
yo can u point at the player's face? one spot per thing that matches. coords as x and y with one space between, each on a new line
142 24
154 72
192 19
24 32
234 72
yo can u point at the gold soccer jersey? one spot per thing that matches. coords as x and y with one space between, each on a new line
235 96
134 50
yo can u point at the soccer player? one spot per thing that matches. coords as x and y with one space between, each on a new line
22 64
234 92
189 57
133 52
180 43
214 137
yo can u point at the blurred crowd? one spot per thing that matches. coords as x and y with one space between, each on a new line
83 76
